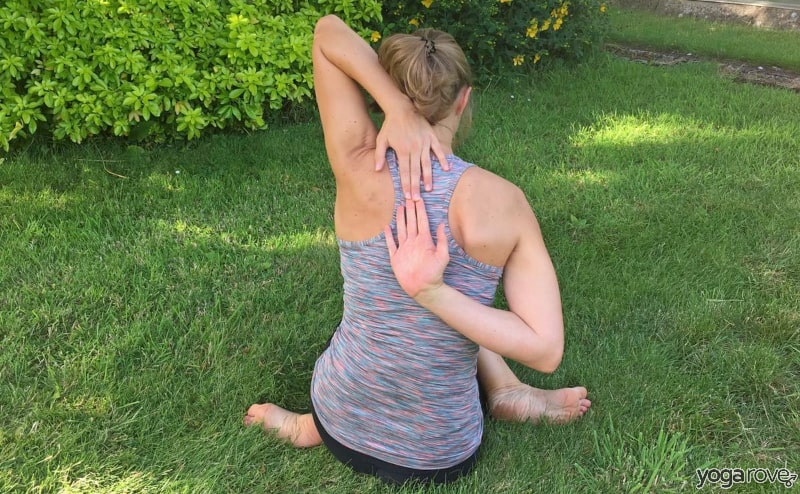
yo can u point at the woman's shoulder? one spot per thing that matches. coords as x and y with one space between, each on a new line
483 215
479 180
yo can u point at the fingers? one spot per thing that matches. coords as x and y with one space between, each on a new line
381 146
427 172
440 154
421 217
403 166
390 245
411 218
402 235
414 176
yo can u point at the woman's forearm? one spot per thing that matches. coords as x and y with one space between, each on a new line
353 56
500 331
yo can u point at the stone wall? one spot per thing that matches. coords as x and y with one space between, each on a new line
773 17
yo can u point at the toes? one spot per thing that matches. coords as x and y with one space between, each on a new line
255 414
584 405
251 419
582 393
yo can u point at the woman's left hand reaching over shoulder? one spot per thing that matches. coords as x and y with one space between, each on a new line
417 262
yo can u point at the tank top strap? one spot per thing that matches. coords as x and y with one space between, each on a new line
437 201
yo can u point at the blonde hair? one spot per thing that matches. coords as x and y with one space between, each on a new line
430 68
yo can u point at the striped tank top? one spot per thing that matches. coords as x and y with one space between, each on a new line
396 383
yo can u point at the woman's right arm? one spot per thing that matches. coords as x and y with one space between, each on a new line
532 331
343 63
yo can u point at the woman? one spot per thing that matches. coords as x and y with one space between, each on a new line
395 393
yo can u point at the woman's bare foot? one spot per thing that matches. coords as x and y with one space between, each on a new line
523 403
299 430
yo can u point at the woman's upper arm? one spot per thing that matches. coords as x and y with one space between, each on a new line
346 123
530 283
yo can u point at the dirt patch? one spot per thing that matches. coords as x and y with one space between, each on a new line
740 71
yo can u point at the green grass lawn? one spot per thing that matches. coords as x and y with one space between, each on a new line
712 39
148 296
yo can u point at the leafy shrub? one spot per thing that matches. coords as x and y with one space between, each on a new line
150 68
496 34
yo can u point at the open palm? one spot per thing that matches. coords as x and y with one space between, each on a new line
417 262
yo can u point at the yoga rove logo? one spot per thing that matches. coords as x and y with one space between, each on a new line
727 477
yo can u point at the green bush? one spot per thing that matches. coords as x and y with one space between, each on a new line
152 68
496 34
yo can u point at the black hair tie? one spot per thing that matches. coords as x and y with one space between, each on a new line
430 46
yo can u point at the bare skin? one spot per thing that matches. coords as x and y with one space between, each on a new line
514 401
524 403
292 427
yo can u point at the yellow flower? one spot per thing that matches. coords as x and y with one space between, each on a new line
375 36
546 25
602 8
557 24
536 58
518 60
427 3
414 22
505 1
533 30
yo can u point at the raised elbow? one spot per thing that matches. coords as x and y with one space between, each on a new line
548 361
324 24
551 363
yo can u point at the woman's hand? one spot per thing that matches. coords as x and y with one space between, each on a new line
413 140
417 263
